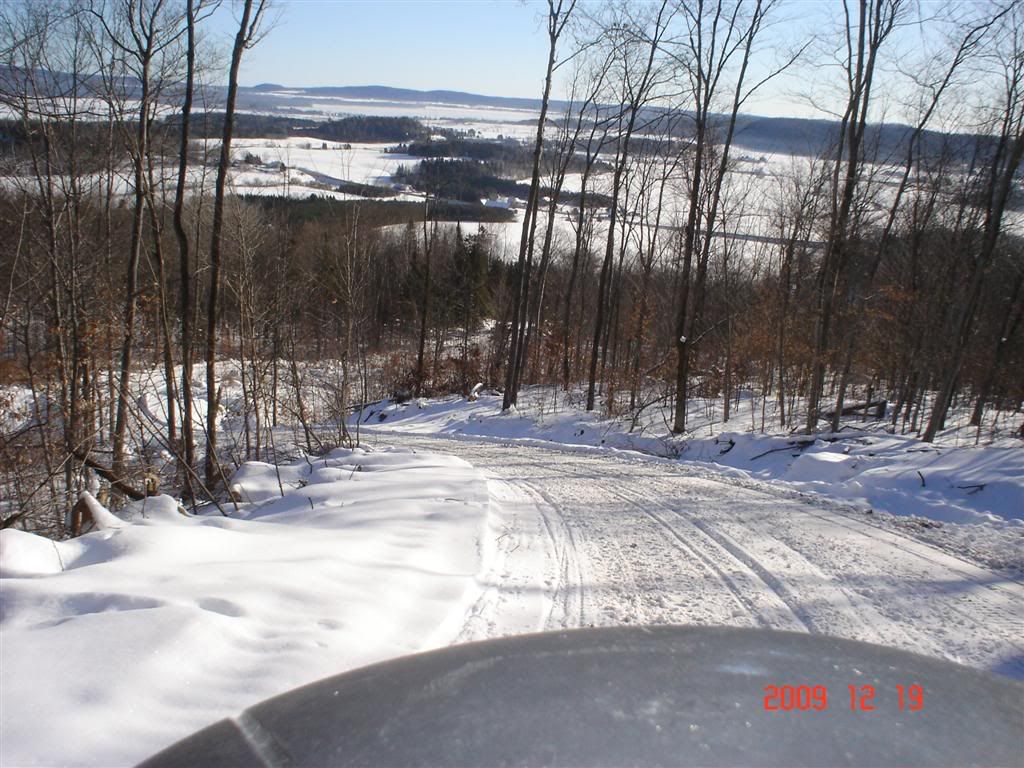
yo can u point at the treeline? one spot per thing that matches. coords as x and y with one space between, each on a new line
507 159
16 134
374 214
473 180
465 180
210 125
506 151
367 129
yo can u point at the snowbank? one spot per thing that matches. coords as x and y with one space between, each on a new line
899 475
365 556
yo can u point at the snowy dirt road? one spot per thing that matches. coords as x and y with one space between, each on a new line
594 539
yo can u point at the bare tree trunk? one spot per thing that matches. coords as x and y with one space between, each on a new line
185 309
636 97
557 19
132 276
1014 315
247 28
428 247
164 318
1004 168
875 21
705 68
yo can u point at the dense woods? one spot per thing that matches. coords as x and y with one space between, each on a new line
134 285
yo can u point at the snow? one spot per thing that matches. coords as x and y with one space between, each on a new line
982 485
894 473
335 106
636 539
106 521
160 624
364 163
25 554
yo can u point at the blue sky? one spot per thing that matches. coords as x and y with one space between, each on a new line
494 47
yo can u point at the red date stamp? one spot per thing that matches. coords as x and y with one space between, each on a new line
815 698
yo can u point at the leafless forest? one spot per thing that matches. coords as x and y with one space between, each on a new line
891 268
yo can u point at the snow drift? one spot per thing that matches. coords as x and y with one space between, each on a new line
329 564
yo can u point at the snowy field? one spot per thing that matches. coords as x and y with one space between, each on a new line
311 166
322 106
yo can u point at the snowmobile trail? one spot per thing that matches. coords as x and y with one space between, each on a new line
589 538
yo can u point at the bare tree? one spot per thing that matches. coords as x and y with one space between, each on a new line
934 91
1002 168
138 32
247 35
559 14
637 53
716 34
864 34
186 289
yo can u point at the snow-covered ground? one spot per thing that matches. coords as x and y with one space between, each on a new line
971 496
320 106
131 637
324 162
119 642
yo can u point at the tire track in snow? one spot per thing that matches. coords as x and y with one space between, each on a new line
890 619
998 610
569 589
631 554
834 509
479 622
835 610
1010 589
936 557
993 614
624 572
825 607
745 596
524 580
851 577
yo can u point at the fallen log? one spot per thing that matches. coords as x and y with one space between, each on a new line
879 407
108 474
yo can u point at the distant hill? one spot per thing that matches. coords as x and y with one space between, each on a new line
785 135
754 133
387 93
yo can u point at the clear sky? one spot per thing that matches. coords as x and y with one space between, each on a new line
499 48
490 47
493 47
